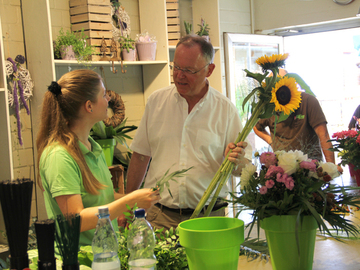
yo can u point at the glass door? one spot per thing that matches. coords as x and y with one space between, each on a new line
241 52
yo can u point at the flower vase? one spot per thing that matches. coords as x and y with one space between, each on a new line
281 238
212 243
129 55
67 52
146 50
354 173
108 146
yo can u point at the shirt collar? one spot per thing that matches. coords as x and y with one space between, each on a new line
201 101
96 148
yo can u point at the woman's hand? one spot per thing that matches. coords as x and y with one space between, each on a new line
145 197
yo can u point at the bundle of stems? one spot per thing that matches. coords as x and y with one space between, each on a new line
67 236
223 173
45 235
15 198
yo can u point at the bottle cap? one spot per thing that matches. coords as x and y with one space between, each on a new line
103 210
140 213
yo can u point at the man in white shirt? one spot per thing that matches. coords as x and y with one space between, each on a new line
186 124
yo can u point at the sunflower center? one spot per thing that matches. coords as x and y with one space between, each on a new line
283 95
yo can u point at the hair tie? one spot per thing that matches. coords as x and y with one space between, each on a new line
55 88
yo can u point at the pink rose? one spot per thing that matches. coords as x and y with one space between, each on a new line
281 177
308 165
289 183
263 190
269 183
268 159
273 170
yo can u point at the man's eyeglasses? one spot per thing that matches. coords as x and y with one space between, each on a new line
185 70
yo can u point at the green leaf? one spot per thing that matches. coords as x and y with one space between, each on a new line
253 92
301 82
257 76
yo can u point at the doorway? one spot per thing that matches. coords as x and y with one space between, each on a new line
328 62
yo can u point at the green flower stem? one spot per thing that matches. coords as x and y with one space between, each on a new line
226 167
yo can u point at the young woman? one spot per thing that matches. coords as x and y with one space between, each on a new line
72 168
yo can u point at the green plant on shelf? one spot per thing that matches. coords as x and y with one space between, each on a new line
204 28
188 27
126 43
77 40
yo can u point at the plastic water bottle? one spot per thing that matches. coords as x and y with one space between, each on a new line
141 243
105 244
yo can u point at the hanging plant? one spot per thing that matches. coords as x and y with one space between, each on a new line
20 88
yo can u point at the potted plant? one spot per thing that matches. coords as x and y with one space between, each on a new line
204 30
291 197
72 45
188 27
146 46
127 47
107 137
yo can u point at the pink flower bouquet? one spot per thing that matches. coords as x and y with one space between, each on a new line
347 143
289 183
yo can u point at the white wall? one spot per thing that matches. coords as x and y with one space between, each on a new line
271 14
235 17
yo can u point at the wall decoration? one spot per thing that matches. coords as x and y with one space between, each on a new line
20 87
120 21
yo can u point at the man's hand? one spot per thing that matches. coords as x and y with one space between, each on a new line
237 156
238 152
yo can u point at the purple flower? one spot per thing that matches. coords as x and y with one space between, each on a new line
268 159
273 170
310 165
20 59
269 183
263 190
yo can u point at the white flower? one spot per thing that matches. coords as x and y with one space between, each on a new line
288 161
300 156
330 168
246 174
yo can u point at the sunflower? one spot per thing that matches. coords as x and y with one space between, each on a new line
274 61
285 95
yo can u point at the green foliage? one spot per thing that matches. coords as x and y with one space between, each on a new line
169 255
304 190
77 40
99 131
126 43
204 28
164 181
188 27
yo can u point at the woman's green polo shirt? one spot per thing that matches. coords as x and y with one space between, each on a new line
60 175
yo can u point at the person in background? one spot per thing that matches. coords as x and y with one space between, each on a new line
355 119
305 129
72 169
184 125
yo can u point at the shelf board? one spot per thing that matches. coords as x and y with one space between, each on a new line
2 89
107 63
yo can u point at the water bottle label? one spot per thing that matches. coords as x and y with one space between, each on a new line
114 265
142 264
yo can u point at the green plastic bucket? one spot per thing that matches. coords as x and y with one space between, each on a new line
281 239
212 243
108 146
